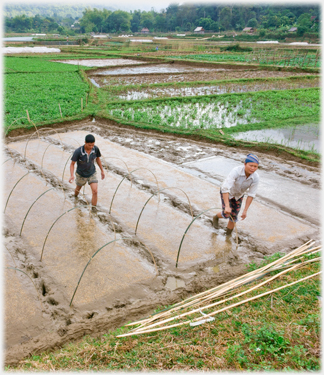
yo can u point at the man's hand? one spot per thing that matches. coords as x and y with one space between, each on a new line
71 179
244 214
102 175
227 210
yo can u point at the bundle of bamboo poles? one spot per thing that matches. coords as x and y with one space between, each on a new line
222 294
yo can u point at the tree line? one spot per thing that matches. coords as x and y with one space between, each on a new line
175 18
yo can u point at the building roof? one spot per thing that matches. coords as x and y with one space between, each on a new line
293 29
145 29
199 28
248 29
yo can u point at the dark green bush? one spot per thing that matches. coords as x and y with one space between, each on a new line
236 48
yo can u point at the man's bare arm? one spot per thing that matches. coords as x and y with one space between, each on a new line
100 166
71 171
227 205
247 205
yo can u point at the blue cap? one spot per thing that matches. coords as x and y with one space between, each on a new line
251 158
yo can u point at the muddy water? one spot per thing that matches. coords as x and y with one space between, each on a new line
161 226
100 62
71 243
23 315
216 74
281 191
303 137
214 90
204 195
161 68
174 283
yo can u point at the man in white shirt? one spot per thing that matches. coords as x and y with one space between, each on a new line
240 179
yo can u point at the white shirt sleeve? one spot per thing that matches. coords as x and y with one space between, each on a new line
253 188
229 181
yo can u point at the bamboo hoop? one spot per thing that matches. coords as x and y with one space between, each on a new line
38 295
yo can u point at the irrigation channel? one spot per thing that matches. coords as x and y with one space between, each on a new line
71 271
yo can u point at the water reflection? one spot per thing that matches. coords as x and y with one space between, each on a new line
303 137
85 240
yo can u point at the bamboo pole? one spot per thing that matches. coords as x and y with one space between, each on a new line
220 302
317 54
235 296
304 58
233 283
60 110
28 118
223 309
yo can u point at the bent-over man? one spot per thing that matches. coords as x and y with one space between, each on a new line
85 156
239 180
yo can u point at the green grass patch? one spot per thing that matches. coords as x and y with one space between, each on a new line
278 332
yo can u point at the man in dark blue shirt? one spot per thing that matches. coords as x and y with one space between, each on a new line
85 157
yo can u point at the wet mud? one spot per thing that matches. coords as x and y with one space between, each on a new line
149 93
127 280
212 74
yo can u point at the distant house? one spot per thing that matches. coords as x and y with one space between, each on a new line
145 30
199 30
249 30
292 30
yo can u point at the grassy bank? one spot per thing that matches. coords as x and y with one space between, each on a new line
277 332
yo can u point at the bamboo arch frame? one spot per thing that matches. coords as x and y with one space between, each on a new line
213 208
31 207
71 209
17 269
118 239
157 184
159 193
30 137
14 188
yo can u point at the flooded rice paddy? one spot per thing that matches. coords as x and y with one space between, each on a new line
303 137
152 69
238 87
198 115
144 209
221 73
100 62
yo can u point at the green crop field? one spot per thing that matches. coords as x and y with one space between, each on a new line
41 95
311 60
42 87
